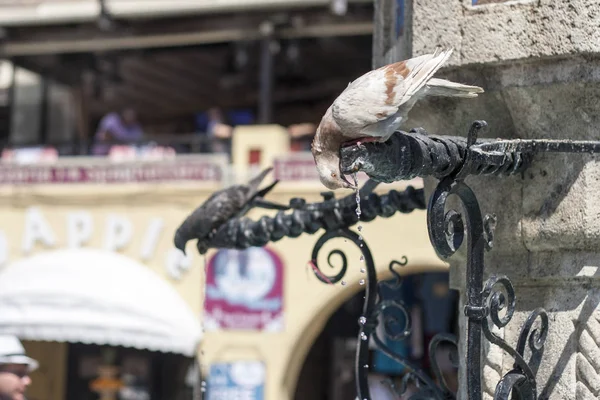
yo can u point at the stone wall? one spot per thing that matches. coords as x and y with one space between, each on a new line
506 30
539 62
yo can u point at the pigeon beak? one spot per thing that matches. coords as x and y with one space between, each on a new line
348 184
179 241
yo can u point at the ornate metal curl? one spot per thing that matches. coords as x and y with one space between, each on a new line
521 378
446 231
376 311
327 236
367 325
450 159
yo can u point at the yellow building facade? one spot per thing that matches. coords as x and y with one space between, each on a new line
137 220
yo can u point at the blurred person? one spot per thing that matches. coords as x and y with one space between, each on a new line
120 127
15 368
219 132
302 135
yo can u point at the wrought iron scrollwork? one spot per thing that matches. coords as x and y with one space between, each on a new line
367 324
446 232
493 302
499 294
405 156
385 312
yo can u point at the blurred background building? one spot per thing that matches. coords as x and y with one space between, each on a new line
117 118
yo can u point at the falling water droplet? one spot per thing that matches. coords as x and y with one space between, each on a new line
358 213
362 320
361 282
357 192
362 271
363 336
343 283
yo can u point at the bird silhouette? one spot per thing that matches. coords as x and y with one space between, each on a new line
220 207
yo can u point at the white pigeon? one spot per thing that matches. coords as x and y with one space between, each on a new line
373 106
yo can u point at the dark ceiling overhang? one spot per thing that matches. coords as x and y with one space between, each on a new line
60 12
172 67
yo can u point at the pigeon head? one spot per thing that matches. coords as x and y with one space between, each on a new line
180 241
331 174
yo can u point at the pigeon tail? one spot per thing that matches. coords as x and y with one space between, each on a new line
263 192
444 88
423 71
256 181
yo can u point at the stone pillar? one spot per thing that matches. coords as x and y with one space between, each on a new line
539 62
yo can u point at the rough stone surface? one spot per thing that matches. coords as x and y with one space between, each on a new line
539 62
554 204
546 242
500 32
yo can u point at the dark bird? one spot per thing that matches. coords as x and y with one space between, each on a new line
220 207
373 107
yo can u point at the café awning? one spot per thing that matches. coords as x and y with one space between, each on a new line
97 297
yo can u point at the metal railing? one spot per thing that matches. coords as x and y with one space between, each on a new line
488 304
182 143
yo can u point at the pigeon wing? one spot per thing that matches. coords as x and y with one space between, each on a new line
372 101
223 206
214 212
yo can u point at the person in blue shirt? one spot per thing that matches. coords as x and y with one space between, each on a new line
116 127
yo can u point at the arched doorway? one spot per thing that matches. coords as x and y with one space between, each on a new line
328 370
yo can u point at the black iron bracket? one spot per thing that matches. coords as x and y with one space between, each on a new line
416 153
451 160
405 156
329 214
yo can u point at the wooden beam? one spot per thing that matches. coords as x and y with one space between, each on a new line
88 45
156 84
249 98
82 12
212 59
189 76
167 75
139 100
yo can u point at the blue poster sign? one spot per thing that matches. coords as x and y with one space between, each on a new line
399 18
239 380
